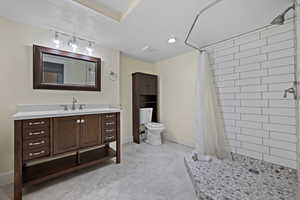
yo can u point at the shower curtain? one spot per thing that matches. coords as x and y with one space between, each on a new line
209 126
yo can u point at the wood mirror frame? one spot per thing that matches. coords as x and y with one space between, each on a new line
38 52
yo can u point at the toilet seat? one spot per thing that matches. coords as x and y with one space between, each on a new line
153 125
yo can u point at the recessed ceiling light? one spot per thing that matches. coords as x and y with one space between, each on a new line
172 40
148 49
145 48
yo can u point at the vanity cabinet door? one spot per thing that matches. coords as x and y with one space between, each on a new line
91 131
66 131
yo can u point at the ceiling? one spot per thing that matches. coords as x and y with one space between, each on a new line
145 22
118 5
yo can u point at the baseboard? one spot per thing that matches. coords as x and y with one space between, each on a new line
6 178
185 143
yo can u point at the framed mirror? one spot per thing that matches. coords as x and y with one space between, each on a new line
54 69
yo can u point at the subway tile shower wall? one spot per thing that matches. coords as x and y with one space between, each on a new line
251 73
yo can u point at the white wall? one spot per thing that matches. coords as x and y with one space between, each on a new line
16 80
128 67
177 97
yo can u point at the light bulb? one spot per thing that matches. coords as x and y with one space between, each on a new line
56 40
89 48
73 44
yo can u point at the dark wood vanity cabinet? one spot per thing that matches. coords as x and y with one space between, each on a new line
61 145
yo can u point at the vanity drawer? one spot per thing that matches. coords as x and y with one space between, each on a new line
109 135
109 124
36 153
109 127
109 117
35 133
35 123
35 143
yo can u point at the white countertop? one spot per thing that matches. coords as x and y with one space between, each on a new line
27 114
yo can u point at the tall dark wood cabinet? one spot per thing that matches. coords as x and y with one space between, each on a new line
144 95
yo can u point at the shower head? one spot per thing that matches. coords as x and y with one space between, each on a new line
279 20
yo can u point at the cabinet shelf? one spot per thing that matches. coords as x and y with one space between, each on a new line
55 168
148 102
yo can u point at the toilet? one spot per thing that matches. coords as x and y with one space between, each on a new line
153 130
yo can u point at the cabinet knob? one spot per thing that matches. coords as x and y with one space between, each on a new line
78 121
82 121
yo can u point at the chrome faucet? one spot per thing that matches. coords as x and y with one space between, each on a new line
73 103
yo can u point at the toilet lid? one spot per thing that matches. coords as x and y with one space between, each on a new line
155 125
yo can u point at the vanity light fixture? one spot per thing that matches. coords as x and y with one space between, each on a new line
56 40
73 44
89 48
172 40
73 41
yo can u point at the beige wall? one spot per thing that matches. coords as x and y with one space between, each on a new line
16 80
129 66
177 78
177 94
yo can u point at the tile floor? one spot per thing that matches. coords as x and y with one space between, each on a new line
146 173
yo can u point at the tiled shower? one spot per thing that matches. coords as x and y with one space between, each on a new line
251 73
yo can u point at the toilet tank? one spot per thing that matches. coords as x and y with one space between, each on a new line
145 115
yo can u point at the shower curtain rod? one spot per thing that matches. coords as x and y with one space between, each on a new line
202 49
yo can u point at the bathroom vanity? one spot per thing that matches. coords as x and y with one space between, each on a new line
51 143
